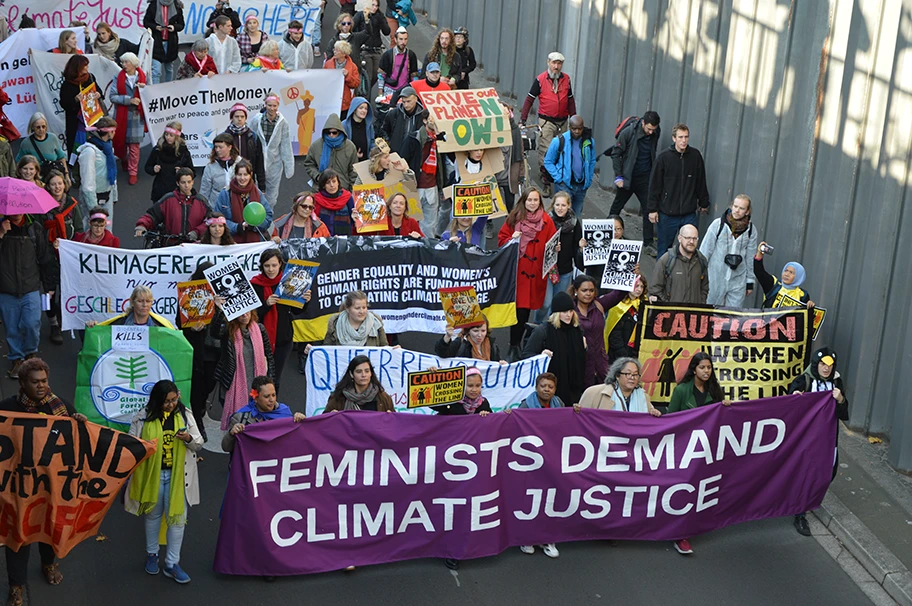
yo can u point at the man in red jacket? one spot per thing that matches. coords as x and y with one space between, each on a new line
555 106
181 213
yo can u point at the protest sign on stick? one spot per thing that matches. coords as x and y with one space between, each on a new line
471 119
436 387
296 281
598 234
460 304
550 256
228 281
623 257
196 306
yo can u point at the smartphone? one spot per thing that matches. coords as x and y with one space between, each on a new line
766 249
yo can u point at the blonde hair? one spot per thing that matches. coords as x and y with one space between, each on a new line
268 48
376 155
561 194
138 292
747 199
554 319
342 45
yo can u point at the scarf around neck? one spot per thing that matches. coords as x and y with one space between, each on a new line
281 411
107 49
565 224
241 197
529 228
49 405
271 318
471 405
349 335
480 352
329 144
355 400
162 15
147 477
737 226
238 392
111 162
334 202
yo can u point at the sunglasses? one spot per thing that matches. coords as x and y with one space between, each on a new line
333 133
307 206
346 23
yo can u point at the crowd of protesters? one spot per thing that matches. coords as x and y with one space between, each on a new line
586 332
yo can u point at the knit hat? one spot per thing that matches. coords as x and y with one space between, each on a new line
561 302
237 107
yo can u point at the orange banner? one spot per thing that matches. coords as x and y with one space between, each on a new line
58 478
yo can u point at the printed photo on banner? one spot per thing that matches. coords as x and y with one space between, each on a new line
296 281
598 234
471 119
756 353
228 281
550 255
202 105
88 472
369 213
436 387
623 257
475 200
196 303
460 304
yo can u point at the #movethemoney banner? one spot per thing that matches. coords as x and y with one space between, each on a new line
359 488
201 105
756 352
59 477
96 281
503 384
401 277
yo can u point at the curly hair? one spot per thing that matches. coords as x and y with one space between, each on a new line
434 54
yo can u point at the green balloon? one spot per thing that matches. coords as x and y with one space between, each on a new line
254 214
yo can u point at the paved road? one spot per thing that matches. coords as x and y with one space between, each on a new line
755 563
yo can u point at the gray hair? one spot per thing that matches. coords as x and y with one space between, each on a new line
343 46
200 45
618 365
269 47
35 117
130 58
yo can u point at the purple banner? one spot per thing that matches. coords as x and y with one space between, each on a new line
360 488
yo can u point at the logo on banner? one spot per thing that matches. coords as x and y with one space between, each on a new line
122 381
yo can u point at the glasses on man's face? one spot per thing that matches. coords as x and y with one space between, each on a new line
690 238
332 133
630 375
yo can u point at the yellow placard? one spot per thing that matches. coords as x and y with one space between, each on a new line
436 387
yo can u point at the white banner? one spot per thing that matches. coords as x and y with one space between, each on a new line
503 385
126 16
201 105
96 281
16 76
48 70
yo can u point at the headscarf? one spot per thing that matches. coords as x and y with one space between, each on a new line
281 411
800 274
470 404
529 228
348 335
329 144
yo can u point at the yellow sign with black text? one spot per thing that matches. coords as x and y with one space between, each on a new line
436 387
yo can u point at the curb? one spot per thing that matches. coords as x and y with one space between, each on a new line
881 564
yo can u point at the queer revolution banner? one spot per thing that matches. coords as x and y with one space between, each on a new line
502 384
119 365
360 488
756 352
471 119
96 281
201 105
58 478
126 16
17 77
401 278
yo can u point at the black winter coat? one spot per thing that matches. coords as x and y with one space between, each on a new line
625 151
284 328
158 46
677 184
166 179
28 261
375 26
398 126
458 409
254 155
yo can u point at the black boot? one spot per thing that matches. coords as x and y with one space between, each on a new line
801 525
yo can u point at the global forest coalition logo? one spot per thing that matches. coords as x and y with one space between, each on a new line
122 381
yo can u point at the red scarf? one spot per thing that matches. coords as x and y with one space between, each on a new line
240 198
56 227
120 135
529 228
269 63
271 318
430 165
204 67
333 203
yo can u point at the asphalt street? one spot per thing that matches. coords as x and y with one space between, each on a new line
764 562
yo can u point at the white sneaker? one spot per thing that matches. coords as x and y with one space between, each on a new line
550 550
527 549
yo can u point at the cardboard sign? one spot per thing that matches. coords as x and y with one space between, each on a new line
598 234
369 213
460 304
818 314
550 259
296 281
195 303
395 182
92 110
436 387
475 200
471 119
130 338
623 257
227 280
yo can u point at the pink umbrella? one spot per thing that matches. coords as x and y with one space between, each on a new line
18 197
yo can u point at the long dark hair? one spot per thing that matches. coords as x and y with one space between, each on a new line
337 398
712 384
74 66
519 211
225 240
155 406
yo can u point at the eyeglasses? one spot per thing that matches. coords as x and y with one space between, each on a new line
690 238
631 375
332 133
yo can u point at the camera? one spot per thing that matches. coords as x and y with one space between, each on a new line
766 249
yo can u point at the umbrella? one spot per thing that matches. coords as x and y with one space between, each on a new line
18 197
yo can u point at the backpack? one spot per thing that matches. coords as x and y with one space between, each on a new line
669 265
617 133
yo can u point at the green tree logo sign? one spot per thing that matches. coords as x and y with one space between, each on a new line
131 369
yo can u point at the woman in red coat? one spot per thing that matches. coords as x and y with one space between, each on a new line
398 223
532 227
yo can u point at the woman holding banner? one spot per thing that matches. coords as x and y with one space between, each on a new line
359 389
398 223
272 130
233 201
246 353
355 325
67 44
466 230
590 310
170 154
73 91
786 290
622 390
268 58
531 228
472 403
167 483
131 124
98 232
300 222
139 312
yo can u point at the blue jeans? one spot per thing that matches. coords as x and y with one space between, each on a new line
163 72
550 290
577 196
22 321
668 229
175 534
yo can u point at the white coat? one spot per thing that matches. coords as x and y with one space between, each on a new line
227 54
728 286
191 473
93 180
295 57
277 154
215 179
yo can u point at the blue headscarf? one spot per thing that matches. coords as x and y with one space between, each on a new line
281 411
368 121
800 274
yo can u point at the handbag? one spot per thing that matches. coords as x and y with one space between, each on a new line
46 165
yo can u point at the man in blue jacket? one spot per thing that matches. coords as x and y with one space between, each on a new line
571 161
